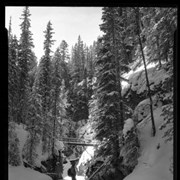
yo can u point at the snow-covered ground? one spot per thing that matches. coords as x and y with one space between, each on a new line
22 135
22 173
86 155
128 125
156 155
77 178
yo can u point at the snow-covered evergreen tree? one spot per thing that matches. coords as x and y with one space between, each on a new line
13 79
168 109
25 58
55 92
108 123
43 84
34 127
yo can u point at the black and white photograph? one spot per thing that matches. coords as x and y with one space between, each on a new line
91 92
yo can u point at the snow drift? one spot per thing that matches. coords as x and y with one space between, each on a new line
22 173
155 160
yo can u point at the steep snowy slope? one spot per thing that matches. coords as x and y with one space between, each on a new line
156 154
20 172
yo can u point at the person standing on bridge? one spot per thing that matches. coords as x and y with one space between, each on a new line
72 170
59 166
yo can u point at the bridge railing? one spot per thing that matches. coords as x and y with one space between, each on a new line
77 141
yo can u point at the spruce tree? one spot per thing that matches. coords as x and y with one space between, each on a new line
10 31
55 91
110 54
77 97
43 82
110 28
13 79
64 53
78 59
158 28
13 101
34 127
107 123
25 57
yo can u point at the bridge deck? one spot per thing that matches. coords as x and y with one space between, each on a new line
79 143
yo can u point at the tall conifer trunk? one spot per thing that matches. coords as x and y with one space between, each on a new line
146 74
54 123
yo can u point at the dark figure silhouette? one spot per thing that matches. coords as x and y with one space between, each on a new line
72 170
59 166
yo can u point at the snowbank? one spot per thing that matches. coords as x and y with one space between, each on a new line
22 135
77 178
155 160
65 168
128 125
138 80
22 173
86 156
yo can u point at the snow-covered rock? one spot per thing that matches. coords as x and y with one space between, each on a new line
143 108
137 79
128 125
86 156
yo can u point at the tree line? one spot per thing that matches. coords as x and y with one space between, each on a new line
42 95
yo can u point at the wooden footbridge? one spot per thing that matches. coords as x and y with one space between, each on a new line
78 142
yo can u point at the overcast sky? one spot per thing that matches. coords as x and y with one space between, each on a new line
67 22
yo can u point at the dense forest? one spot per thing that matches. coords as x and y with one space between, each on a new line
81 93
